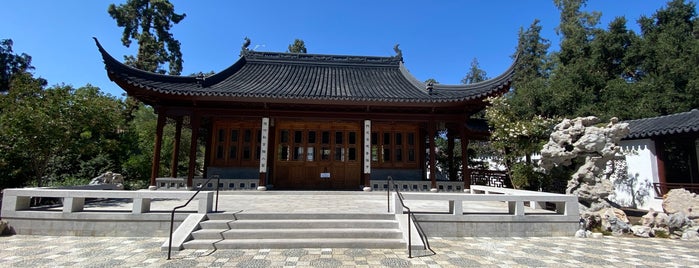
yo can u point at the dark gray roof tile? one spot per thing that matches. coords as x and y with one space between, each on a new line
308 77
687 122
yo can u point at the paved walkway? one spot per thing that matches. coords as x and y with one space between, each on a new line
49 251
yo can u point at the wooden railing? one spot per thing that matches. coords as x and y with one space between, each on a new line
493 178
663 188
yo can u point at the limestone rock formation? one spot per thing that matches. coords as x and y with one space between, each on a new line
681 200
109 178
581 138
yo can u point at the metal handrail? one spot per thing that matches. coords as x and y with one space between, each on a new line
172 215
419 229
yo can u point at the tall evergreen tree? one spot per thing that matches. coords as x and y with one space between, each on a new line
670 57
297 47
475 73
11 63
574 80
149 22
533 67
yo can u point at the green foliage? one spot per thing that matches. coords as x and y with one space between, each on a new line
475 74
11 64
612 72
56 133
525 177
661 234
149 22
297 47
515 138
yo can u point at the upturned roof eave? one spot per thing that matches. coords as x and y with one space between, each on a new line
192 86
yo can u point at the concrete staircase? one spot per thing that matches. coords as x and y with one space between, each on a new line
242 230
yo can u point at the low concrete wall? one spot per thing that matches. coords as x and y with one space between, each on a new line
536 221
224 184
93 223
73 219
418 186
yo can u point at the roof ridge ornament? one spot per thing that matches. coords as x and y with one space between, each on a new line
399 53
244 49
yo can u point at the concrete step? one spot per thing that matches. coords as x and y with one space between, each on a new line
297 223
282 243
260 216
290 230
297 233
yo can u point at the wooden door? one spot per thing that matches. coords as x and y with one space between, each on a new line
319 155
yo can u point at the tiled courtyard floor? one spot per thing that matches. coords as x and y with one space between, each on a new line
68 251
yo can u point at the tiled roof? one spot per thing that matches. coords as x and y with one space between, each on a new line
679 123
271 75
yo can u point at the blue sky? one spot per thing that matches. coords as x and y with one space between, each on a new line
439 39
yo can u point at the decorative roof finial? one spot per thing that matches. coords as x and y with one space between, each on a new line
399 53
246 44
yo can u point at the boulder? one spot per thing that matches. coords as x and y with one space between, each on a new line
4 227
678 221
681 200
642 231
691 234
648 220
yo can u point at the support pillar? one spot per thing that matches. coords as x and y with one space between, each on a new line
195 123
264 148
207 150
659 156
176 148
430 135
367 156
450 156
155 167
465 171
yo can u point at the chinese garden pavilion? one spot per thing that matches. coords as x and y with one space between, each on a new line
307 121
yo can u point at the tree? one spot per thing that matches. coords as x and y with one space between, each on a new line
532 70
297 47
11 64
149 22
575 80
668 57
55 133
475 74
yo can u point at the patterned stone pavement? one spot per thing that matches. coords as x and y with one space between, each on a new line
49 251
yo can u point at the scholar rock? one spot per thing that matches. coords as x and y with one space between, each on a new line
681 200
108 178
580 138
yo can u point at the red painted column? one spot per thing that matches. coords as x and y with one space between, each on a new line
465 171
659 155
450 156
155 167
176 148
195 122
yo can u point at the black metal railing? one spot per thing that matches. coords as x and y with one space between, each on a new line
411 216
172 215
662 188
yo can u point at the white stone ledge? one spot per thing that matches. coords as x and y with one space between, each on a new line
565 205
74 200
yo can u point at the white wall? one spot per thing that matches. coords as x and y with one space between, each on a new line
642 171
